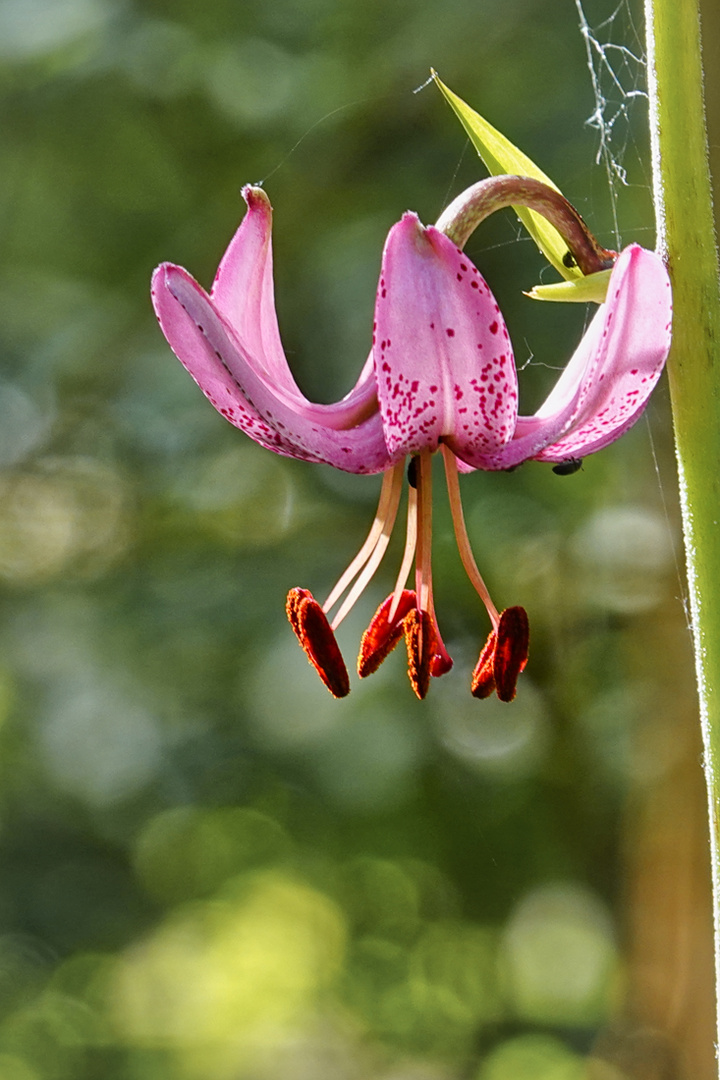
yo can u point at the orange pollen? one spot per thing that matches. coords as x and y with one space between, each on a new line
483 677
313 631
419 639
383 633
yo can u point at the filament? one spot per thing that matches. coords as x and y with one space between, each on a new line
375 557
408 554
463 541
386 511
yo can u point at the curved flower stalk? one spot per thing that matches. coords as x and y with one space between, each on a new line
440 377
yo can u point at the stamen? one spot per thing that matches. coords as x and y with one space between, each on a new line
375 557
511 652
483 677
463 541
292 603
409 553
419 640
439 660
313 632
383 633
389 493
503 657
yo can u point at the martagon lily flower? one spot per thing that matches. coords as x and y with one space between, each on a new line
440 377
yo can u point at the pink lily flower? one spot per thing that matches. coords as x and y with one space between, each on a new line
440 377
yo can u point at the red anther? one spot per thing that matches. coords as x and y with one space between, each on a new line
382 636
503 657
511 651
420 640
292 604
483 677
313 632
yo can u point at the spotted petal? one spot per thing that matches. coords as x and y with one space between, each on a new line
632 349
607 382
235 382
443 359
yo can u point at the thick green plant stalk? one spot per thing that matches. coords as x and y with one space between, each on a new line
686 237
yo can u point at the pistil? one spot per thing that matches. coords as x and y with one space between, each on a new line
423 558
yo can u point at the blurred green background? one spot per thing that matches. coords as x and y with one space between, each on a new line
210 870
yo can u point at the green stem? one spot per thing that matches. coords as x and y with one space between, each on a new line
686 237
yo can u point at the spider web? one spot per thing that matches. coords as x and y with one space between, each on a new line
618 78
618 74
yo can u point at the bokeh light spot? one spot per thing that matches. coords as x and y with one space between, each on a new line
532 1057
559 957
219 975
189 852
244 496
251 80
98 743
62 516
35 27
492 736
624 554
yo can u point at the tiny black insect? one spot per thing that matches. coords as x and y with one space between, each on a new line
568 467
412 472
569 260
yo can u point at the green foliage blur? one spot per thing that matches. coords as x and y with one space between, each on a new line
210 869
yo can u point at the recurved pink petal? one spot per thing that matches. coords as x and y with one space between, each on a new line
443 359
243 289
633 340
234 383
606 384
243 293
